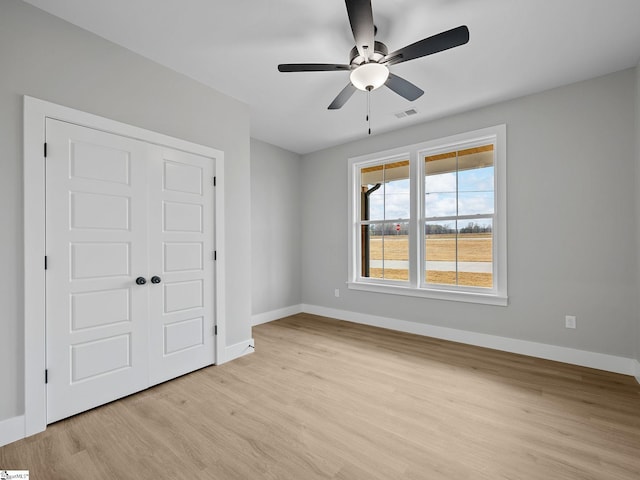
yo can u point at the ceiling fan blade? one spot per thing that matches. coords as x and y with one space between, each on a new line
361 20
428 46
312 67
403 87
342 97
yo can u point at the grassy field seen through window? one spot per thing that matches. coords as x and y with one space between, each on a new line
440 253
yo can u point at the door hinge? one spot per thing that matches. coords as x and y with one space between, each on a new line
46 262
214 255
46 376
45 149
214 181
215 330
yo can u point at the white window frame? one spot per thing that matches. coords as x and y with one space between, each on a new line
416 287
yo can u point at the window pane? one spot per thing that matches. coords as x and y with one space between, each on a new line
475 181
440 186
388 252
385 191
462 256
475 203
459 182
370 240
440 204
440 250
376 203
397 200
475 253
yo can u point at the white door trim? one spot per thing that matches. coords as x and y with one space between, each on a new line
35 113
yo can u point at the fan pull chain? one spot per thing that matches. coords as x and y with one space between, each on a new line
369 109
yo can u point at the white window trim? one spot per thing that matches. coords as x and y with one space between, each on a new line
497 295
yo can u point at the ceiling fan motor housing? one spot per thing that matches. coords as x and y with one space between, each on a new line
380 51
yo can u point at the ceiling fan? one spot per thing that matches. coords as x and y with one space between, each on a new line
370 60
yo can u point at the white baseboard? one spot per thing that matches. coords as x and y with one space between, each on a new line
265 317
572 356
238 350
11 430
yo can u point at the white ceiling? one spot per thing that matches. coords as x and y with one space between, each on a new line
516 47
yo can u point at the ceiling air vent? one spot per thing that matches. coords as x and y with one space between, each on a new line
406 113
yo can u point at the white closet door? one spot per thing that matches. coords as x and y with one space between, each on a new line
119 210
181 230
97 340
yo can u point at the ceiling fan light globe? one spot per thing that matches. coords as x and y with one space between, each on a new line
369 76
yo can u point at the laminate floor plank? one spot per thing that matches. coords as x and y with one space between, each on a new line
326 399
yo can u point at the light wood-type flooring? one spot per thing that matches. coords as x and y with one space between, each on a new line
322 399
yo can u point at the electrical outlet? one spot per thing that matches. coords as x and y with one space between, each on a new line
570 321
336 292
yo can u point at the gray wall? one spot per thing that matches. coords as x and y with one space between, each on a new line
275 227
571 220
47 58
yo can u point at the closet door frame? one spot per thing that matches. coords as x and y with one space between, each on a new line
35 114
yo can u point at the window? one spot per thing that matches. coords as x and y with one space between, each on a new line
384 220
430 219
459 208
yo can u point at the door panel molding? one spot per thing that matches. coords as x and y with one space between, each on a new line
35 114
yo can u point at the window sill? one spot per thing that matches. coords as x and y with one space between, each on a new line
459 296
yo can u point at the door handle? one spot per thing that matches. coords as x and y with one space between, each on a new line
155 279
141 280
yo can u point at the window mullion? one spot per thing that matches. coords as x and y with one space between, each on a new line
384 216
457 211
414 237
